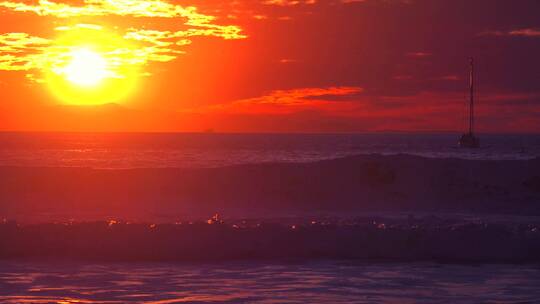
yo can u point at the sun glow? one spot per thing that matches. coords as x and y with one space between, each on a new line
92 66
87 68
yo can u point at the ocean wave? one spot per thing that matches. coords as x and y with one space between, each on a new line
427 239
348 185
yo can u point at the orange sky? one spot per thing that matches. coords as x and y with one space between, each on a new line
277 65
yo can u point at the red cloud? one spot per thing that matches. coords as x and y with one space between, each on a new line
288 101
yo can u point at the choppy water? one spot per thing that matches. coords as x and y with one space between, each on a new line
213 150
257 282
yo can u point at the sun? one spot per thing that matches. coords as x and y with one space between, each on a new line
86 68
92 66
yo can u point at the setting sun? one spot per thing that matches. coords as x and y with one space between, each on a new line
92 65
87 68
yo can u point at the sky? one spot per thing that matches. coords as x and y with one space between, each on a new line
268 65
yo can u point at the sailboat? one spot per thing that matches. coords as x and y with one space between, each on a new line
469 140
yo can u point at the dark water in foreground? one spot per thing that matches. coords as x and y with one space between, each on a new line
255 282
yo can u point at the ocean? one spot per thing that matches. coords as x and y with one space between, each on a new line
114 227
180 150
271 282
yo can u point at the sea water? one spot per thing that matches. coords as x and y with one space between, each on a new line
268 282
162 150
304 281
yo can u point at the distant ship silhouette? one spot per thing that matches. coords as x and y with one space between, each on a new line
469 140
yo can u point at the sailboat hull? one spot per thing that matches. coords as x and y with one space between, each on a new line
468 140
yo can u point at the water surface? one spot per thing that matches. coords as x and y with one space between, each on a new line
167 150
260 282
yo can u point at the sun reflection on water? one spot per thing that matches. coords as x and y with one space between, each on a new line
260 282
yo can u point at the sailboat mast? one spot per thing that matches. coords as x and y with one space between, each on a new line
468 140
471 106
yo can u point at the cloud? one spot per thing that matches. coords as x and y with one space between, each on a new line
24 52
134 8
314 109
287 60
525 32
287 101
288 2
419 54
